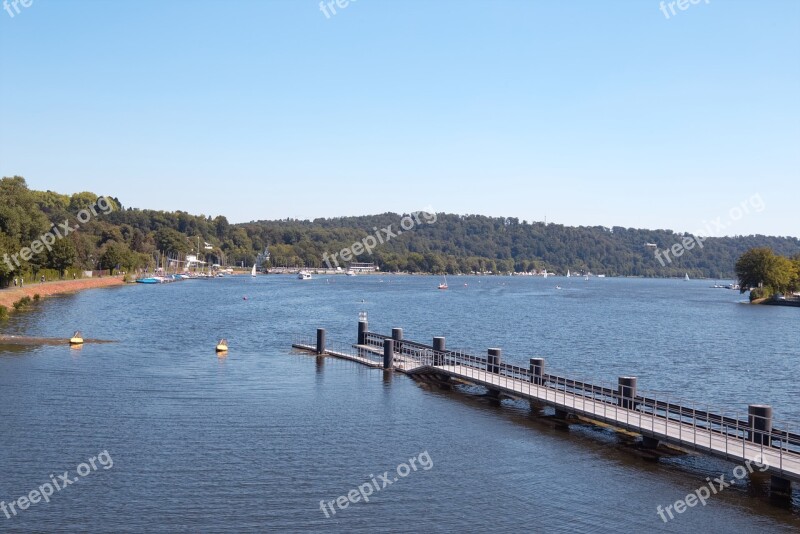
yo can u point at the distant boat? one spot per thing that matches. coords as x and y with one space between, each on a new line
601 276
350 272
568 275
303 275
586 277
545 274
253 272
686 278
443 285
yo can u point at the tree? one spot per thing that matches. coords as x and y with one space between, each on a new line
62 255
114 255
761 268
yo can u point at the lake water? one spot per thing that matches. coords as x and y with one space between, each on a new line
252 442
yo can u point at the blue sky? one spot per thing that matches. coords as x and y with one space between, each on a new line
584 112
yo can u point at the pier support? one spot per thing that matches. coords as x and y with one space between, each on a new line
537 371
759 418
626 389
362 331
649 443
493 361
438 349
388 353
320 341
780 487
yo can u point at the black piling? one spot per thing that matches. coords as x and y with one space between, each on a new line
626 389
759 418
388 353
362 331
320 341
537 371
438 350
397 336
493 361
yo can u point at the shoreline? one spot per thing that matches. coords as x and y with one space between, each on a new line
9 296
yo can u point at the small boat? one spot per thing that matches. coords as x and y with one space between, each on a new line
304 275
586 277
350 272
568 275
253 272
545 274
601 276
222 346
443 285
686 278
76 339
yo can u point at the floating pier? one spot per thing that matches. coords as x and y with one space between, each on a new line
739 436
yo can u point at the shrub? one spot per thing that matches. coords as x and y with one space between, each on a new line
3 313
36 296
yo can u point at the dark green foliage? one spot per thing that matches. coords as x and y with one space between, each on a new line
131 238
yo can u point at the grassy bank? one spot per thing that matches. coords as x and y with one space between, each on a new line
16 294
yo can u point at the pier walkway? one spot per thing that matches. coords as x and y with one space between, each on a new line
745 436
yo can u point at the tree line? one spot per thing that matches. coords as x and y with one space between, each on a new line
131 238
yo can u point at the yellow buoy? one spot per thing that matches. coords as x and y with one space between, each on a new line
222 346
76 339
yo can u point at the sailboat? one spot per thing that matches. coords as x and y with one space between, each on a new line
545 274
568 275
686 278
253 272
444 284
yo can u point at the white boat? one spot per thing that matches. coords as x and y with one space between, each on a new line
568 275
686 278
350 272
545 274
253 272
601 276
444 284
303 275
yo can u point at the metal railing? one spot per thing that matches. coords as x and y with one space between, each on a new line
734 433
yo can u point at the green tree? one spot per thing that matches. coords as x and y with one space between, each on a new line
115 255
62 255
761 268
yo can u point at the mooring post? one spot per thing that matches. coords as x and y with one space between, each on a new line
388 353
759 418
362 329
493 361
320 340
537 371
438 351
626 389
397 336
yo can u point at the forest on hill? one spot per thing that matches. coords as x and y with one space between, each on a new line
104 234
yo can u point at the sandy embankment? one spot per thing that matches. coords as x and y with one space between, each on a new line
11 295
